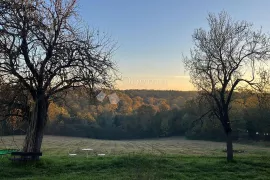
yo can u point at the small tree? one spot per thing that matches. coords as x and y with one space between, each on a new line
43 47
224 58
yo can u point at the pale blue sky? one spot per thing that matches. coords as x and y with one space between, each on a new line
153 34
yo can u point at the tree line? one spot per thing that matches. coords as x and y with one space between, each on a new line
140 115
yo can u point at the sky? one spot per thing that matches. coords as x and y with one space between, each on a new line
153 35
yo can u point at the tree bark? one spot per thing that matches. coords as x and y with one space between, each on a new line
229 146
35 131
228 130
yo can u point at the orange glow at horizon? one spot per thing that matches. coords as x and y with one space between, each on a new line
180 83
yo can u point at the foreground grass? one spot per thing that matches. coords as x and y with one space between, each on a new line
166 158
138 167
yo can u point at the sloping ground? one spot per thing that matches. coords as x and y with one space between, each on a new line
60 146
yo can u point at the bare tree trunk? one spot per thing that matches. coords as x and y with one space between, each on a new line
35 131
229 146
228 130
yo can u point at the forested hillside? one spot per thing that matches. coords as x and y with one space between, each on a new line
151 113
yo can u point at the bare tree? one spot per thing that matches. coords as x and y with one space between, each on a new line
44 48
225 58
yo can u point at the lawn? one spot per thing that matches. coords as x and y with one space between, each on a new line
169 158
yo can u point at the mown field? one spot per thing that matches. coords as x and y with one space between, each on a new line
168 158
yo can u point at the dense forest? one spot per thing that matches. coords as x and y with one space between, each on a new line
150 114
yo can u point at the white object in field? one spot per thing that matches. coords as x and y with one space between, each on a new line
87 150
101 96
113 98
72 154
101 154
266 134
257 132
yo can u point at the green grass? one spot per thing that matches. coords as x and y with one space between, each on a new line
169 158
138 167
60 146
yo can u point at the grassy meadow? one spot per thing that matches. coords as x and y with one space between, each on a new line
168 158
